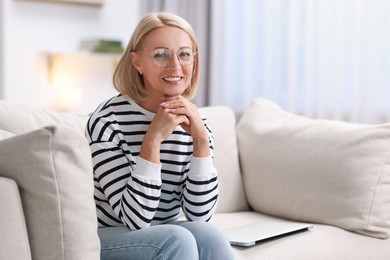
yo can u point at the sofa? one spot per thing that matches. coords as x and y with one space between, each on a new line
272 165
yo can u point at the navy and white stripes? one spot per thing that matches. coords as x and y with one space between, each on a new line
137 193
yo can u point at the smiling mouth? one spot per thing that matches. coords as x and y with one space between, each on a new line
173 79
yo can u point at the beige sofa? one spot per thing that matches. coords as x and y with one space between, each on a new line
272 165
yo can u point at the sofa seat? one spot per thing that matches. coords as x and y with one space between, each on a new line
321 242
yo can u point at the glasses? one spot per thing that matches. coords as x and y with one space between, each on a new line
161 56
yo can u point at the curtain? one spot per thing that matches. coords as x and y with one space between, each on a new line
320 58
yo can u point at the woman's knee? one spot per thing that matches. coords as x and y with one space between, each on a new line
179 243
212 242
205 230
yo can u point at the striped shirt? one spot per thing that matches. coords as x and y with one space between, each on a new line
132 191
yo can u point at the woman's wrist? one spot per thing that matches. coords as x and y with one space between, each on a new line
201 146
150 149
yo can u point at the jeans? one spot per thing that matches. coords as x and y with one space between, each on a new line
179 240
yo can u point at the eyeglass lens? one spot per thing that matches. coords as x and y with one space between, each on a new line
162 56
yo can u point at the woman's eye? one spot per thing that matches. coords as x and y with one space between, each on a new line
160 54
185 55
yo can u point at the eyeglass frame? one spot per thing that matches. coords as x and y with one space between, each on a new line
151 54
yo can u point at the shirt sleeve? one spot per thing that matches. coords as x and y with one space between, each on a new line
200 195
132 188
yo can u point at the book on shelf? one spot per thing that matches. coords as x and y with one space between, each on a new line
102 45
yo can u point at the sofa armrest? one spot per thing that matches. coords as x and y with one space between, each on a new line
14 243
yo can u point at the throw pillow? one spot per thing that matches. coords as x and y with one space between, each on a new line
321 171
18 118
53 170
14 242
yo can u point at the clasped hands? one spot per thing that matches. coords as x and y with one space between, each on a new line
174 111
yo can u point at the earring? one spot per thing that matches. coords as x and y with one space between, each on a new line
140 73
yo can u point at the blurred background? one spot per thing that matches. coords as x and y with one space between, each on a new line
320 58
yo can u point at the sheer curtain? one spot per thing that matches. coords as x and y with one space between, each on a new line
323 59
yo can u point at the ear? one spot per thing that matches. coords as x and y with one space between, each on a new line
135 59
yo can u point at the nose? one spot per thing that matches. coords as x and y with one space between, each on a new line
174 62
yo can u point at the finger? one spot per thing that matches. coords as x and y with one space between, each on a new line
174 99
173 104
164 104
184 120
177 111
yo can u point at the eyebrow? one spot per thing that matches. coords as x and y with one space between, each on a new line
184 47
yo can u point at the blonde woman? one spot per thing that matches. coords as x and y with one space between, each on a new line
152 152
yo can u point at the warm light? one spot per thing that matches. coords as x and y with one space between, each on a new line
65 82
79 81
66 98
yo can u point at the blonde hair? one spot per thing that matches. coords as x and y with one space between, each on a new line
126 78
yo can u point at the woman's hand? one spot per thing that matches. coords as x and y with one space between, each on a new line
162 126
165 122
179 106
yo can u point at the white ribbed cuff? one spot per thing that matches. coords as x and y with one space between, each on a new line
202 166
148 170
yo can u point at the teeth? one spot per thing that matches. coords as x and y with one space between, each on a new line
172 78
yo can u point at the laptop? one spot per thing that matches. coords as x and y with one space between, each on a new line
261 231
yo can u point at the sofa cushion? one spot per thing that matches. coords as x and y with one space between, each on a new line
18 119
320 171
231 191
53 170
14 242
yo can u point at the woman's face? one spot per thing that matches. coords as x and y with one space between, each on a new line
169 77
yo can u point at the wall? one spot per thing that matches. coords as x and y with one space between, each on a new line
32 29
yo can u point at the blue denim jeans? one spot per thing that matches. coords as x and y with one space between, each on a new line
179 240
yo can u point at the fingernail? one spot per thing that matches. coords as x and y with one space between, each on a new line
164 104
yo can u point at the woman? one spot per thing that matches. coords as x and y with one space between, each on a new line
152 152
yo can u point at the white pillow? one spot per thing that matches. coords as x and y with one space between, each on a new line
322 171
14 242
18 118
52 167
